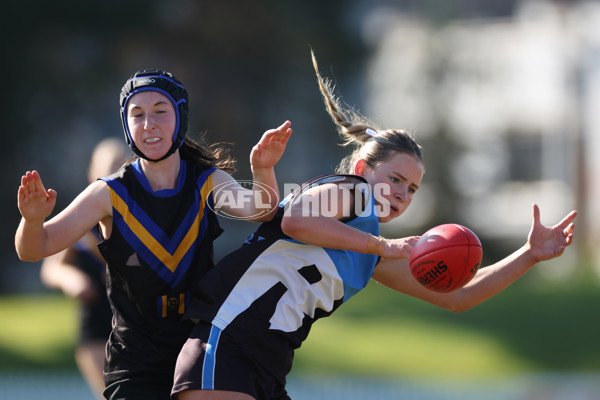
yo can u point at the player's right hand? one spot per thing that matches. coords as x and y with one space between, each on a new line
399 248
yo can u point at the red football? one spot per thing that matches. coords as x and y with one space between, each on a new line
446 257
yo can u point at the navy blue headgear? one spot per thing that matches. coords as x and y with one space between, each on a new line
165 83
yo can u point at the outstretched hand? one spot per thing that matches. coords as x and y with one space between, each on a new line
33 200
271 146
549 242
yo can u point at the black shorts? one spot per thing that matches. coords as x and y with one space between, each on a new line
145 386
210 360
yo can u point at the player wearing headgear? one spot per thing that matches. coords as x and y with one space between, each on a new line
165 83
157 219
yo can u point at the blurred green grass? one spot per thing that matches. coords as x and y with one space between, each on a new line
526 329
38 331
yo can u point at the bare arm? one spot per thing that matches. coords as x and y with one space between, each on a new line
263 157
60 272
36 238
543 243
314 218
260 202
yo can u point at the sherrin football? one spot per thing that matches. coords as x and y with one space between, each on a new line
446 257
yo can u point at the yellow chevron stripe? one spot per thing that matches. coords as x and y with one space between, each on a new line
171 261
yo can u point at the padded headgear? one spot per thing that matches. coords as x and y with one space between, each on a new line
165 83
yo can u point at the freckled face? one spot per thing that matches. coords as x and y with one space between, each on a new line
394 183
151 119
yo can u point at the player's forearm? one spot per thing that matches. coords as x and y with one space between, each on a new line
493 279
30 240
325 232
265 193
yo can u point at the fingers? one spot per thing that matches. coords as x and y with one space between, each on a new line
51 194
563 224
27 183
570 229
567 228
31 183
412 240
569 233
258 148
400 248
569 240
567 220
286 136
536 215
286 125
21 193
280 134
39 186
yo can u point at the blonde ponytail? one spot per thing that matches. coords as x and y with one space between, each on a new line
372 145
351 126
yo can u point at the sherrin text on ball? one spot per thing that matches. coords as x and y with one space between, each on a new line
446 257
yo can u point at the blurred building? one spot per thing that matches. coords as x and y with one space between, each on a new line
511 100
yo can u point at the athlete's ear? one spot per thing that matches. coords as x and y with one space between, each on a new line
360 167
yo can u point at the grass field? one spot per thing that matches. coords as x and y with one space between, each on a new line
379 333
520 331
38 331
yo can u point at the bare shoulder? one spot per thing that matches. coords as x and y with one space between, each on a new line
221 177
98 188
96 196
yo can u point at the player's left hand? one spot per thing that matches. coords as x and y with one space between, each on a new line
268 151
549 242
